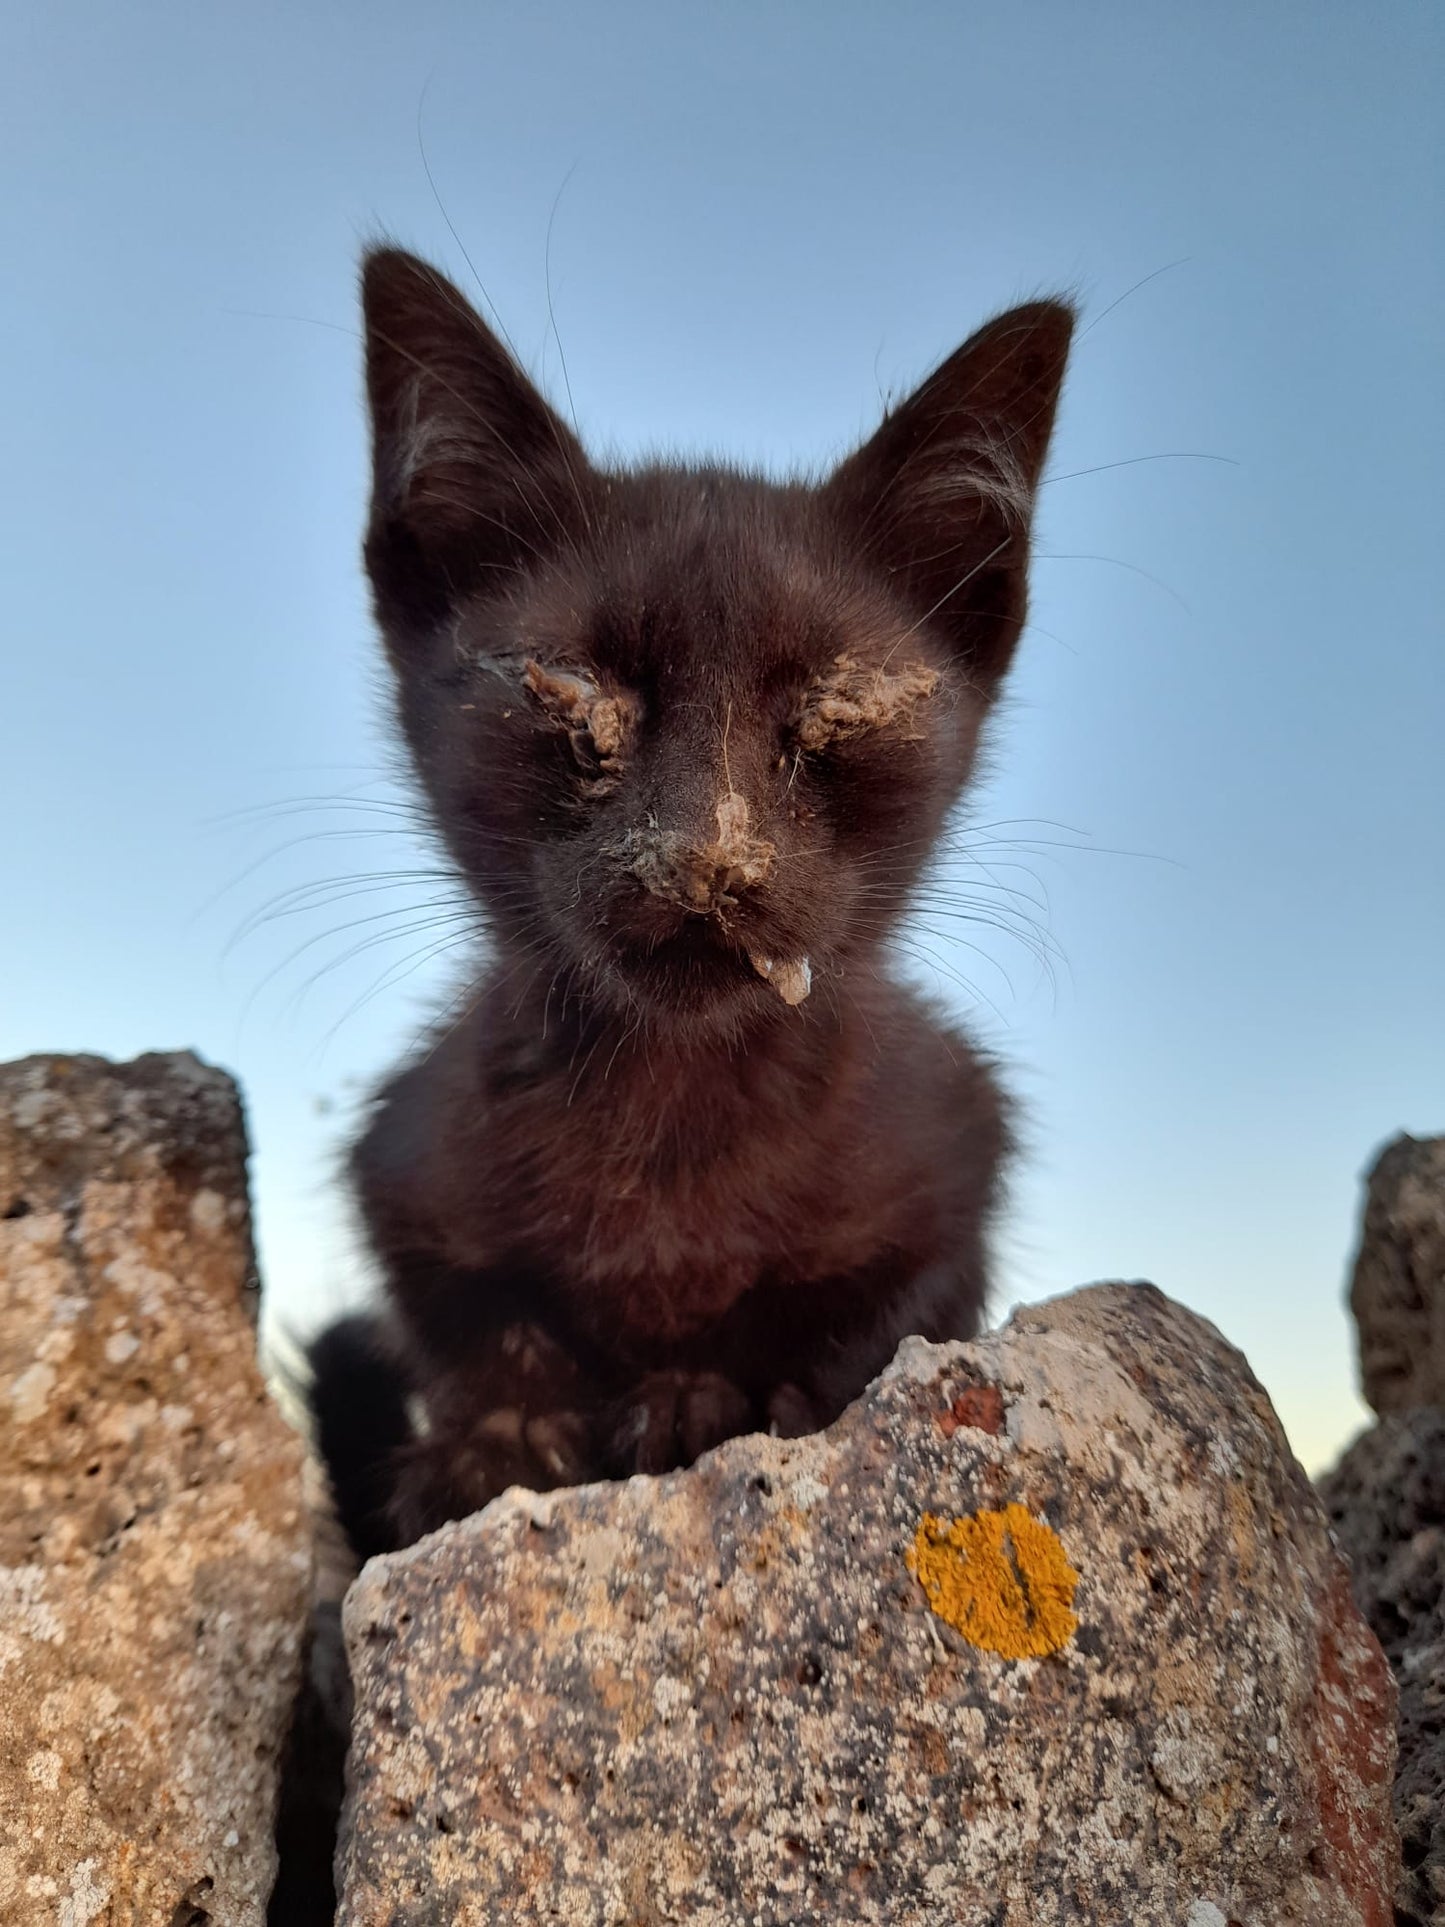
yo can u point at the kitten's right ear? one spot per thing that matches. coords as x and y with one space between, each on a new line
473 473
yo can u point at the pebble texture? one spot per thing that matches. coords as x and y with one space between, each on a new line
1398 1290
154 1557
722 1697
1386 1501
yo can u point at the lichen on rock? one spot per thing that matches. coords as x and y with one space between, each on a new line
1397 1288
1386 1497
154 1554
1386 1501
721 1696
1002 1579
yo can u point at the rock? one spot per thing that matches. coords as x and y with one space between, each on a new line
723 1696
1386 1501
1398 1290
154 1559
1386 1498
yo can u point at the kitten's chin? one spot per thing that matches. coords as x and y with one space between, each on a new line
694 979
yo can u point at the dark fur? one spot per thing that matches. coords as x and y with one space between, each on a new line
632 1202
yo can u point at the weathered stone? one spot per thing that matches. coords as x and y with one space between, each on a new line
722 1697
1398 1290
1386 1501
154 1557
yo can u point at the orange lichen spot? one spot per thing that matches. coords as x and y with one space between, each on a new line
1002 1579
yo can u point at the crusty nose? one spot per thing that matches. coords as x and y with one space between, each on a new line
701 875
677 871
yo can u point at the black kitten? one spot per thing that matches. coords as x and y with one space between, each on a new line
691 1162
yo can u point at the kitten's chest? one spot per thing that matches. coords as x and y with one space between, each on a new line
664 1201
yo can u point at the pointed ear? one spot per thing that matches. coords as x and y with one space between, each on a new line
941 499
472 472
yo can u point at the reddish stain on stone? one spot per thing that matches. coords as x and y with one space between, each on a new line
980 1407
1354 1758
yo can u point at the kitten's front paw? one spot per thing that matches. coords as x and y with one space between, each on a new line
792 1414
452 1473
671 1418
520 1414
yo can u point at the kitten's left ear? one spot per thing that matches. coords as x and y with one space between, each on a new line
941 498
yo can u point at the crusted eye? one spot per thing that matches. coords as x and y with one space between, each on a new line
598 726
849 698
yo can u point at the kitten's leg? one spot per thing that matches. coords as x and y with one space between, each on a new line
358 1397
498 1392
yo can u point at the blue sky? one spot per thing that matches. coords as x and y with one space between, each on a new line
1221 760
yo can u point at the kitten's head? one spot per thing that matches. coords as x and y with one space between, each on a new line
691 735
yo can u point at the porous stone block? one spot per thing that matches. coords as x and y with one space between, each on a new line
154 1553
1397 1290
1386 1501
1048 1628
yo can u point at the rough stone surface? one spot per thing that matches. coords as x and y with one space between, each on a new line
154 1558
1386 1501
1398 1290
720 1697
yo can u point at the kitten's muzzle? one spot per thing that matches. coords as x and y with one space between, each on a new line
708 878
702 877
677 873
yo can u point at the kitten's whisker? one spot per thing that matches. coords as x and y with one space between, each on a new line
321 896
1115 562
497 321
385 983
324 936
1134 461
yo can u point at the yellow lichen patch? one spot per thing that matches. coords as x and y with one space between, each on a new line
1002 1579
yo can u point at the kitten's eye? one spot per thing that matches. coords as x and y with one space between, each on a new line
850 698
597 726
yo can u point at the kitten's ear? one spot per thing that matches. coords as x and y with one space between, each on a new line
941 498
472 472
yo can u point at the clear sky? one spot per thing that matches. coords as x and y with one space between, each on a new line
1222 763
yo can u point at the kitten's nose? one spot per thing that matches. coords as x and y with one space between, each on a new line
678 873
700 875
